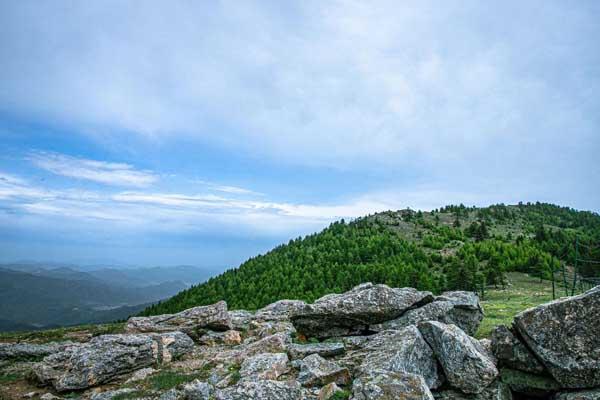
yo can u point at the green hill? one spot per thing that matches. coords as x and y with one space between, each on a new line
455 247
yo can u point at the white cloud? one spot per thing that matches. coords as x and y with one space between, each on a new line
117 174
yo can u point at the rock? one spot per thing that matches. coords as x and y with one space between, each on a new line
381 385
495 391
529 384
106 357
261 329
434 311
279 310
467 312
29 351
230 338
328 391
511 353
298 351
108 395
240 319
171 394
140 375
485 345
171 345
265 366
261 389
465 365
197 390
192 321
352 312
30 395
49 396
563 334
355 342
581 395
404 351
317 371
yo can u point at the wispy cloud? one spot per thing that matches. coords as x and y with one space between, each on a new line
226 188
109 173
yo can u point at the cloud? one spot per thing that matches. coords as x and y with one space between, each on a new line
117 174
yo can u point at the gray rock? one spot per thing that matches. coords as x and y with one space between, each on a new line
467 312
265 366
317 371
352 312
172 394
29 351
141 374
198 390
381 385
511 353
49 396
192 321
106 357
496 391
280 310
328 391
465 365
261 389
593 394
240 319
563 334
170 346
230 338
529 384
108 395
434 311
298 351
404 351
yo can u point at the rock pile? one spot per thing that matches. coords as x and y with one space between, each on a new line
372 342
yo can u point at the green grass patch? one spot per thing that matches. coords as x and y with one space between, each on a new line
10 377
168 379
340 395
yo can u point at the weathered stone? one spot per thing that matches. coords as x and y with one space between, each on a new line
593 394
467 312
140 375
404 351
230 338
29 351
277 343
563 334
107 357
198 390
465 365
49 396
529 384
352 312
265 366
511 353
108 395
496 391
192 321
328 391
171 394
434 311
317 371
260 329
240 319
297 351
261 389
279 310
381 385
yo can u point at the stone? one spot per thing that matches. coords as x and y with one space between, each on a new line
434 311
193 321
496 391
171 394
328 391
404 351
593 394
140 375
240 319
108 395
465 364
261 389
529 384
198 390
265 366
317 371
29 351
381 385
49 396
563 334
467 312
299 351
511 353
230 338
352 313
106 357
280 310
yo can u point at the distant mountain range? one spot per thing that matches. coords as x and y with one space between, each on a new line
38 295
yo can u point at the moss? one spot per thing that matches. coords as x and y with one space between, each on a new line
340 395
234 375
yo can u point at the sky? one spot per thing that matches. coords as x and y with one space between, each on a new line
203 133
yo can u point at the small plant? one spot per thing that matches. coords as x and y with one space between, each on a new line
234 373
340 395
168 379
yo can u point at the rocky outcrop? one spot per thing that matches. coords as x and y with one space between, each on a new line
299 351
29 351
511 353
194 321
280 310
352 312
261 389
564 336
317 371
381 385
579 395
465 365
264 366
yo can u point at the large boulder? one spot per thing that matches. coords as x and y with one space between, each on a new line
530 385
240 319
317 371
496 391
511 353
107 357
29 351
403 351
352 312
466 365
593 394
299 351
434 311
194 321
467 312
261 389
564 335
279 310
264 366
381 385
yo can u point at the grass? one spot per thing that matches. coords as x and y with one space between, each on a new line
59 334
524 291
168 379
340 395
9 377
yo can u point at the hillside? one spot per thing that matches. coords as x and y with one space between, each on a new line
455 247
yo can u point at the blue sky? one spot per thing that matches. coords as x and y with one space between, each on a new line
202 133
